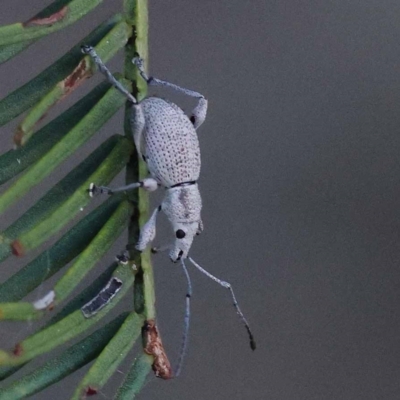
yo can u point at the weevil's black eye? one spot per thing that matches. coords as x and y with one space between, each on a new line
180 234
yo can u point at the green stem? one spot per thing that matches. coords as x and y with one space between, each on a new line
136 13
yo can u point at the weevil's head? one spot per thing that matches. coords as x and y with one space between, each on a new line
182 205
184 235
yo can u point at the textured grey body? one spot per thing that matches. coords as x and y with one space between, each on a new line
168 143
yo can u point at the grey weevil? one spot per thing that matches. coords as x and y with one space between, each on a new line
166 140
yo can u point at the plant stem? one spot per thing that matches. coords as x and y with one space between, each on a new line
136 13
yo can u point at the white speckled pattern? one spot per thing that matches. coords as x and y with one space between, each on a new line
170 143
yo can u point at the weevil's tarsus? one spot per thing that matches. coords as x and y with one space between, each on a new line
95 190
227 285
185 337
103 298
90 51
123 258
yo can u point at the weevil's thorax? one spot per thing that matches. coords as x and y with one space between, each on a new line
182 206
170 143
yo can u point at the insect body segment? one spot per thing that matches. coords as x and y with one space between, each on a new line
168 143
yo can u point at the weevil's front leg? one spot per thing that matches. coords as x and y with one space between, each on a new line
90 51
148 232
149 184
198 113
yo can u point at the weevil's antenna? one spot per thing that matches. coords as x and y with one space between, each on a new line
235 303
89 50
186 323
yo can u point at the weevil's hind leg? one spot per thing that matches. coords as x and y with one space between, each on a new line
198 113
148 184
89 50
227 285
148 231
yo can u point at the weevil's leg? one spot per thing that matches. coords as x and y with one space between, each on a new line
148 184
89 50
198 113
235 303
138 123
186 321
148 232
160 249
200 228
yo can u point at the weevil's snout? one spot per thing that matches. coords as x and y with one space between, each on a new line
184 234
180 249
175 255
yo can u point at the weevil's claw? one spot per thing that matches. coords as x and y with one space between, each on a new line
95 190
122 258
86 49
138 61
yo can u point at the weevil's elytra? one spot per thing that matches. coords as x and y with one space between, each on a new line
170 144
166 139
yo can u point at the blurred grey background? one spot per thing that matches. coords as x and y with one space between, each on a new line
300 189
